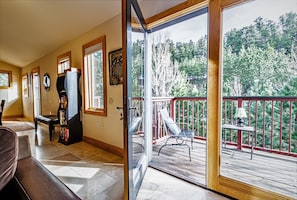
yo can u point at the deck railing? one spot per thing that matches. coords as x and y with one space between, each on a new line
274 119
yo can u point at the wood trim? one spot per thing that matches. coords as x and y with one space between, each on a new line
102 145
175 12
12 116
230 3
9 78
126 10
183 9
214 94
215 181
87 110
242 190
26 76
99 112
64 55
35 70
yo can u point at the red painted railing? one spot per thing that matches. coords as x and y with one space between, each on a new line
274 118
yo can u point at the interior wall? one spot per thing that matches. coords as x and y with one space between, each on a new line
107 129
13 106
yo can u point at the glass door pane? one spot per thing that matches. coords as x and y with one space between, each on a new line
179 84
137 138
259 134
36 94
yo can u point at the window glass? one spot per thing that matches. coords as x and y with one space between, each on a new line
5 78
64 62
259 94
94 67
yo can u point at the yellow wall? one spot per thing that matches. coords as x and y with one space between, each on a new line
13 105
105 129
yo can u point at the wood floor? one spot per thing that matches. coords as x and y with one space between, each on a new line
274 172
93 173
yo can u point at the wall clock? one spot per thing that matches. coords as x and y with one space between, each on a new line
46 81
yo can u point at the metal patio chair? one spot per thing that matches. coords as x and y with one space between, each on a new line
173 131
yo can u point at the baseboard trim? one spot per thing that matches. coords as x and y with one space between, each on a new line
12 116
107 147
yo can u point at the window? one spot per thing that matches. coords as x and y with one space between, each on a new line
5 79
25 85
64 62
94 68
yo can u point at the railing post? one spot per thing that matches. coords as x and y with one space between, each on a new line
172 102
239 135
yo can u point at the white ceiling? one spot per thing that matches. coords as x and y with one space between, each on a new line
30 29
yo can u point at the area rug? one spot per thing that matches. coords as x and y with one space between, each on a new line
18 126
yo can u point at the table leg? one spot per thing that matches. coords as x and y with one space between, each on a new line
50 127
239 140
35 122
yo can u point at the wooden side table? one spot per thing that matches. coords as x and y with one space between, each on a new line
50 120
241 128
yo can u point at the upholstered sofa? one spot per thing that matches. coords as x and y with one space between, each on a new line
24 177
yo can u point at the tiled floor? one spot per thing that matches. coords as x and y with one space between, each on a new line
93 173
158 185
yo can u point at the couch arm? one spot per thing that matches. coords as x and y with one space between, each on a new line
24 147
8 155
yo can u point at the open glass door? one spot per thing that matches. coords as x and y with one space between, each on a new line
136 101
36 93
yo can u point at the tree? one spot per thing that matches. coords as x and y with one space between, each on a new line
257 71
288 25
167 80
137 69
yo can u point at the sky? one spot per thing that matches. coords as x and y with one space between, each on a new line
234 17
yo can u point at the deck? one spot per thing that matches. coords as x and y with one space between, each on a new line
270 171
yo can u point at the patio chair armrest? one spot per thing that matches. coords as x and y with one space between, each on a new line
182 125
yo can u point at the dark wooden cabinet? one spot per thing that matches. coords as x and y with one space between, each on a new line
69 107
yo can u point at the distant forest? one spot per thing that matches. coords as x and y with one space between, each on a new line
258 60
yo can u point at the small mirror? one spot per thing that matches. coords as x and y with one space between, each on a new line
46 81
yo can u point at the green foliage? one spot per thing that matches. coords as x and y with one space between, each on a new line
98 73
261 72
258 60
264 32
137 68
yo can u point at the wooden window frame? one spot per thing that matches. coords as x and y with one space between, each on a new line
87 79
9 74
65 57
25 85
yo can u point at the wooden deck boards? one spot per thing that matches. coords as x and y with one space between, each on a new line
274 172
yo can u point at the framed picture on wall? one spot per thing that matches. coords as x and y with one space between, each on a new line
25 85
115 67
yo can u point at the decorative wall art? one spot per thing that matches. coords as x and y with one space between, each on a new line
115 67
46 81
